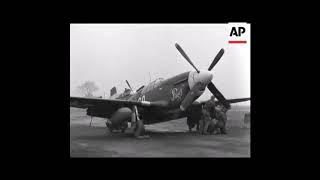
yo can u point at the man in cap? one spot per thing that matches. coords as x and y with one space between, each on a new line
221 115
208 114
193 117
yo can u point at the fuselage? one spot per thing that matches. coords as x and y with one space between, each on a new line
171 91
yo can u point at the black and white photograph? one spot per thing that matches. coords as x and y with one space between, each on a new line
160 90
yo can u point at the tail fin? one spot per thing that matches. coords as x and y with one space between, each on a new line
113 91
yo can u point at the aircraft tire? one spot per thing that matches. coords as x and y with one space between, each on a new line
139 131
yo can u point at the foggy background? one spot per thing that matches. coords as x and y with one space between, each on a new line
109 54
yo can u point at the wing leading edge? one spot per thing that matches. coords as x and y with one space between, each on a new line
228 100
82 102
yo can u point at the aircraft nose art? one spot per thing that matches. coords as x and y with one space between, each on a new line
204 77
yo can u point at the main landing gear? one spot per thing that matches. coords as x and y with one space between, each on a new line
137 125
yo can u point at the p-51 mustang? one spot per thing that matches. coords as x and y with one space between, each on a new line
159 101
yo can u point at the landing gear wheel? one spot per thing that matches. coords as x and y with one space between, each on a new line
140 130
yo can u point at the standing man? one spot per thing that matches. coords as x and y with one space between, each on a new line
208 114
194 113
221 115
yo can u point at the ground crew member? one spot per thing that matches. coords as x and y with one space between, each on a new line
208 113
204 122
194 114
221 115
212 128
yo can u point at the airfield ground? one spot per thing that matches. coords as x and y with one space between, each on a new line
169 139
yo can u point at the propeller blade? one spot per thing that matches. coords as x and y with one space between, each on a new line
218 94
185 56
192 95
129 85
216 59
238 100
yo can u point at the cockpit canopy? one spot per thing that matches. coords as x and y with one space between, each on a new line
152 85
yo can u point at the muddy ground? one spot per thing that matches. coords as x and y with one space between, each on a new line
169 139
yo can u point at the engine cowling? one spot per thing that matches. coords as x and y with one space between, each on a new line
120 116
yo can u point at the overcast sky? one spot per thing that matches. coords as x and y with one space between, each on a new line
108 54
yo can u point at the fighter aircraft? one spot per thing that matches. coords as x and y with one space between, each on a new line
159 101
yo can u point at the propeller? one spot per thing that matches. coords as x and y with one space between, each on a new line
129 85
238 100
216 59
218 94
186 57
192 93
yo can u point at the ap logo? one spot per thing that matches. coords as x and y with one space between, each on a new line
237 31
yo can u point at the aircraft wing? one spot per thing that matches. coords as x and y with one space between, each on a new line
83 102
230 101
106 107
